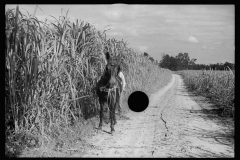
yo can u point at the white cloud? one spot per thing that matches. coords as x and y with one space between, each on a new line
114 33
193 39
204 47
113 14
134 32
169 21
131 29
212 48
142 48
218 42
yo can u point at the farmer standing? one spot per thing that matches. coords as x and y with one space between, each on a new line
123 84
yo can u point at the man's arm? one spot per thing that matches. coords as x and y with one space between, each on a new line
123 79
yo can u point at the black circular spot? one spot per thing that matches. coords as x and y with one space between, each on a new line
138 101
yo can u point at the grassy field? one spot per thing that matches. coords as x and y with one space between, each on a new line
217 86
51 70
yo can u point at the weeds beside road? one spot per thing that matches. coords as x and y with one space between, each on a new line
217 86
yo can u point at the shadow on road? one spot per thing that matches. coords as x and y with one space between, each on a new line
211 112
223 135
217 132
208 110
208 154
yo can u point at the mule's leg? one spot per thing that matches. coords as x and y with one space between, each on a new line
120 97
112 112
112 122
118 100
114 115
101 116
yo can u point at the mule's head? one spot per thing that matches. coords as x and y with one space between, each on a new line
111 72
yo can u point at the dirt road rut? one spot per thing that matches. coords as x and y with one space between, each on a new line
172 126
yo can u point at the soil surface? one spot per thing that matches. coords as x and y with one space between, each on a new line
175 124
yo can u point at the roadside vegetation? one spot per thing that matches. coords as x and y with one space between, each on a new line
51 70
214 81
183 62
217 86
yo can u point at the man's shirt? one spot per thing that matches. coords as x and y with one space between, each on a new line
123 79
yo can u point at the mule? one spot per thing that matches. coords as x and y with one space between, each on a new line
108 91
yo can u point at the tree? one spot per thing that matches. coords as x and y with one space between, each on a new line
165 62
192 62
184 60
175 64
169 62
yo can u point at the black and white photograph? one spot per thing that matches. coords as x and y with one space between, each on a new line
120 80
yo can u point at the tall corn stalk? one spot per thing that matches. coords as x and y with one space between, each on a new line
52 67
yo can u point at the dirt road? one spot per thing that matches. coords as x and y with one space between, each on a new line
176 124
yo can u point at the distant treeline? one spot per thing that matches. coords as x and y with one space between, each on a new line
183 62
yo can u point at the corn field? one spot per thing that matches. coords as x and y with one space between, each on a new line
51 70
217 86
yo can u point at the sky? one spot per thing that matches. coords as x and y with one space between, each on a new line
205 32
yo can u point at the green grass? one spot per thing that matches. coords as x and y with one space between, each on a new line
217 86
51 70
